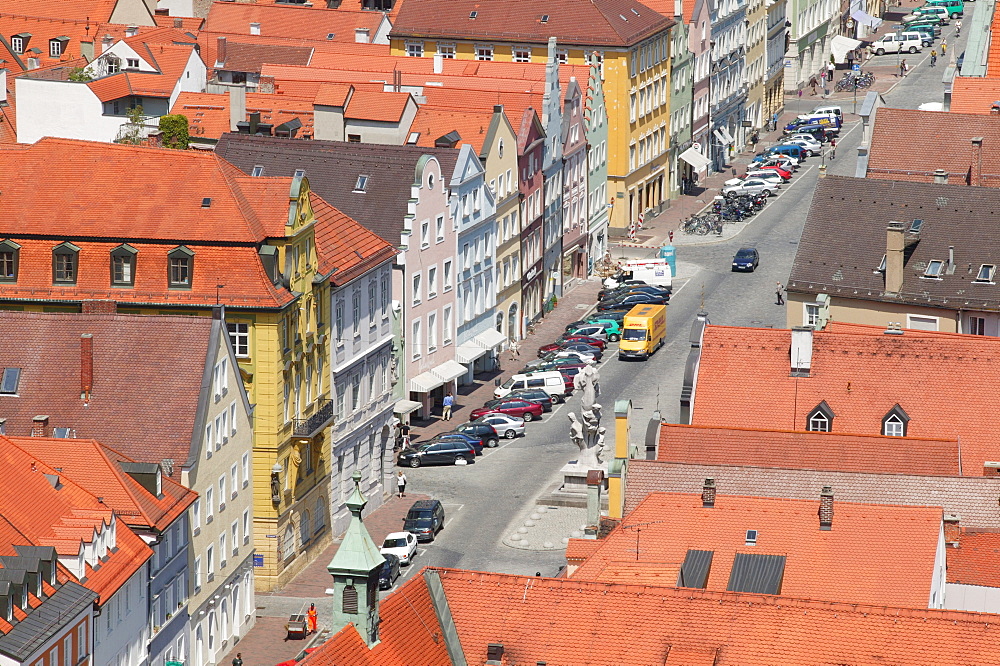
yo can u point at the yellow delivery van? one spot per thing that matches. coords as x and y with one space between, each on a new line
643 332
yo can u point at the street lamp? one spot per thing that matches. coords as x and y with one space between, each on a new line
899 46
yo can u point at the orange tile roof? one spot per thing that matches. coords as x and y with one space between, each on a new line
290 21
348 5
94 467
878 554
209 42
381 107
333 94
208 113
976 561
791 449
433 123
344 246
191 24
170 59
974 94
862 374
63 516
98 11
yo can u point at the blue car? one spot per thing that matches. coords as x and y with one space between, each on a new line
746 259
475 442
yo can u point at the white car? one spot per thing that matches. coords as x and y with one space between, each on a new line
806 150
769 176
750 186
786 162
401 544
506 425
572 353
808 140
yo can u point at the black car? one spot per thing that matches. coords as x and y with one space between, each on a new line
484 431
533 395
632 300
746 259
424 519
605 294
438 452
389 573
475 442
617 315
584 348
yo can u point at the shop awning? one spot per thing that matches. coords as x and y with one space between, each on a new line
864 18
449 371
403 407
840 45
490 339
469 352
425 382
694 157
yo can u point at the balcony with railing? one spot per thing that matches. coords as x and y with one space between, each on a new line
313 425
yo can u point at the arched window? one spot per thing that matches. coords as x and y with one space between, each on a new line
320 521
894 423
820 419
350 602
288 543
304 532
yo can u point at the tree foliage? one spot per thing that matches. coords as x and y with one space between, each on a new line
174 129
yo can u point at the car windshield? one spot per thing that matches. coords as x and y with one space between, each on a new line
744 254
507 384
634 334
394 543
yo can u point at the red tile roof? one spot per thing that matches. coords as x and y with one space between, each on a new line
63 515
343 246
976 561
973 95
290 21
433 123
952 134
333 94
862 374
381 107
878 554
572 22
208 113
347 5
98 11
94 467
753 447
250 57
46 347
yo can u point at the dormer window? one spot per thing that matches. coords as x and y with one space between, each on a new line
934 269
123 266
65 257
112 64
362 184
180 263
57 46
9 251
820 419
19 42
894 423
986 272
131 63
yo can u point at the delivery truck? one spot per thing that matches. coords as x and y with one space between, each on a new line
643 332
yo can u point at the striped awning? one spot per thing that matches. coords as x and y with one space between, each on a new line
449 371
403 407
425 382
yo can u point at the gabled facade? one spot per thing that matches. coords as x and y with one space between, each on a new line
814 24
598 203
699 17
682 65
575 213
756 63
552 181
728 86
774 86
530 148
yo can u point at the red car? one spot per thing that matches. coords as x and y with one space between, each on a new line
528 411
785 174
585 339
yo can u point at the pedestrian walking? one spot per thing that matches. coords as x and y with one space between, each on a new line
779 291
446 407
850 59
958 28
902 68
830 70
833 149
944 48
404 433
812 84
401 484
238 659
933 57
313 618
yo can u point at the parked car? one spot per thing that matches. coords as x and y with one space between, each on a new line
424 519
591 355
807 141
483 431
569 372
534 395
401 544
526 410
786 162
746 259
476 443
771 177
750 186
782 175
505 424
942 13
442 452
604 294
389 573
600 343
612 328
781 171
614 314
592 331
632 300
549 362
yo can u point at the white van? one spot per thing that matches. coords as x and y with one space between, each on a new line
651 271
908 42
550 381
828 111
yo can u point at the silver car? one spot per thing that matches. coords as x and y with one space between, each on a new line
751 186
506 425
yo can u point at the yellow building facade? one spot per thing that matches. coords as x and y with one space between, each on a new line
637 97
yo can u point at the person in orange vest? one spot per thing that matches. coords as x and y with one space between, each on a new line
312 618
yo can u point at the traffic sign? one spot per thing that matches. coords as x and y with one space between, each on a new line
856 68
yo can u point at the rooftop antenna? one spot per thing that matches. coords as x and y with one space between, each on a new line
703 296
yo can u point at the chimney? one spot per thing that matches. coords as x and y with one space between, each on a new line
951 260
87 50
801 350
162 11
237 106
86 366
826 508
255 28
106 42
708 494
220 51
40 426
254 122
940 177
438 63
3 84
361 36
99 307
494 654
178 23
976 170
995 108
894 257
131 31
952 529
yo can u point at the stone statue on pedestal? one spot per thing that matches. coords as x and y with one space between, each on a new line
585 432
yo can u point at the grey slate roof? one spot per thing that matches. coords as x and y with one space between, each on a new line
844 240
333 167
973 498
46 620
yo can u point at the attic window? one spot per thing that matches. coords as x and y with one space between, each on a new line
8 384
362 184
131 63
8 261
473 14
330 35
123 266
299 173
57 46
881 266
986 272
413 138
751 537
916 226
64 263
180 263
545 18
206 202
934 269
894 423
635 12
258 171
820 419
